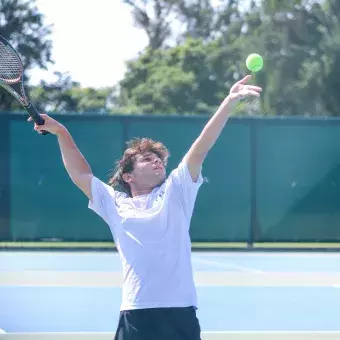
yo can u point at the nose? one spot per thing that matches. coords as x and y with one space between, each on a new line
157 161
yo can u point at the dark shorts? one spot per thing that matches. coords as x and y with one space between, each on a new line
158 324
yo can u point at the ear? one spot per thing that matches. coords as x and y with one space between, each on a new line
127 177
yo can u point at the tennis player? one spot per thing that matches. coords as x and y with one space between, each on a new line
149 216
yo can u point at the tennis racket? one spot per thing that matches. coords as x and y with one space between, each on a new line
11 79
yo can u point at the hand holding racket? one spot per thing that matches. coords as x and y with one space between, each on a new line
11 79
50 125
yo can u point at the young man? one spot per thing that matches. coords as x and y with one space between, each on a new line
150 223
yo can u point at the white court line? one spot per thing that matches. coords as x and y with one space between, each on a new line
58 254
266 254
239 254
229 265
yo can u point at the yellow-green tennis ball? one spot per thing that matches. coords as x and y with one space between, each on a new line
254 62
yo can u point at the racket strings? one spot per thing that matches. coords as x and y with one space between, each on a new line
10 66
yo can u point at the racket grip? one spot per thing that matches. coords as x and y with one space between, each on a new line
32 111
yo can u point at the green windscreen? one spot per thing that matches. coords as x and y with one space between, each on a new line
45 204
298 182
264 179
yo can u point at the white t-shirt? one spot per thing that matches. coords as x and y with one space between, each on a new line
151 233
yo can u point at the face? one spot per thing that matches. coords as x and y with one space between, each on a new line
148 171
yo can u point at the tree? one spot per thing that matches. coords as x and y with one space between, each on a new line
23 26
202 19
65 96
299 40
153 17
324 81
194 76
191 78
169 22
301 47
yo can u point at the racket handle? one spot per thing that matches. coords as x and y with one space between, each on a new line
32 111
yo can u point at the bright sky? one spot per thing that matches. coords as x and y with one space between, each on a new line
76 23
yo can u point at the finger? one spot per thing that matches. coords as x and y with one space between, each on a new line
249 93
254 88
244 80
38 129
42 115
253 93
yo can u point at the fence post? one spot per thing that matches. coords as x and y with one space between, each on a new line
5 180
253 175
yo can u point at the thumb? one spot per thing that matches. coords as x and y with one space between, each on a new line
42 115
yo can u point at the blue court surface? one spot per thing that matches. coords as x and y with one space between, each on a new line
80 292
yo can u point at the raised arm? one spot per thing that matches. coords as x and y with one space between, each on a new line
74 162
200 148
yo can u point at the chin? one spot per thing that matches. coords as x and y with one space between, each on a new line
160 181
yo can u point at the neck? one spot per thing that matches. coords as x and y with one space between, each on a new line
140 191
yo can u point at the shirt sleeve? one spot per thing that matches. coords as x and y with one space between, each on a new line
186 186
103 201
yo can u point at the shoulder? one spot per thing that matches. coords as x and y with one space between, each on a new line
182 175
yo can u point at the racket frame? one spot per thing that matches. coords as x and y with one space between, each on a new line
17 90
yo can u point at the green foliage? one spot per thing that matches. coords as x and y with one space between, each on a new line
65 96
299 40
170 81
23 26
196 51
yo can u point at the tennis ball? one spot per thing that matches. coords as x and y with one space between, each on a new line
254 62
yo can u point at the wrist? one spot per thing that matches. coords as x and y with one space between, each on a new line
61 130
230 101
233 98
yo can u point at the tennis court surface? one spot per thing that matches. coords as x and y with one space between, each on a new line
76 295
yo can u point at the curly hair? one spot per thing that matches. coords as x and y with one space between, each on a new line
126 164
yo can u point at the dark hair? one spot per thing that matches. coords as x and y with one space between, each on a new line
127 162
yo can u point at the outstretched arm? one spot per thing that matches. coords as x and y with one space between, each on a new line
74 162
200 148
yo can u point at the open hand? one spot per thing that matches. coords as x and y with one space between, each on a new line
241 90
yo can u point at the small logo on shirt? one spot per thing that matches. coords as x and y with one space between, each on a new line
159 197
